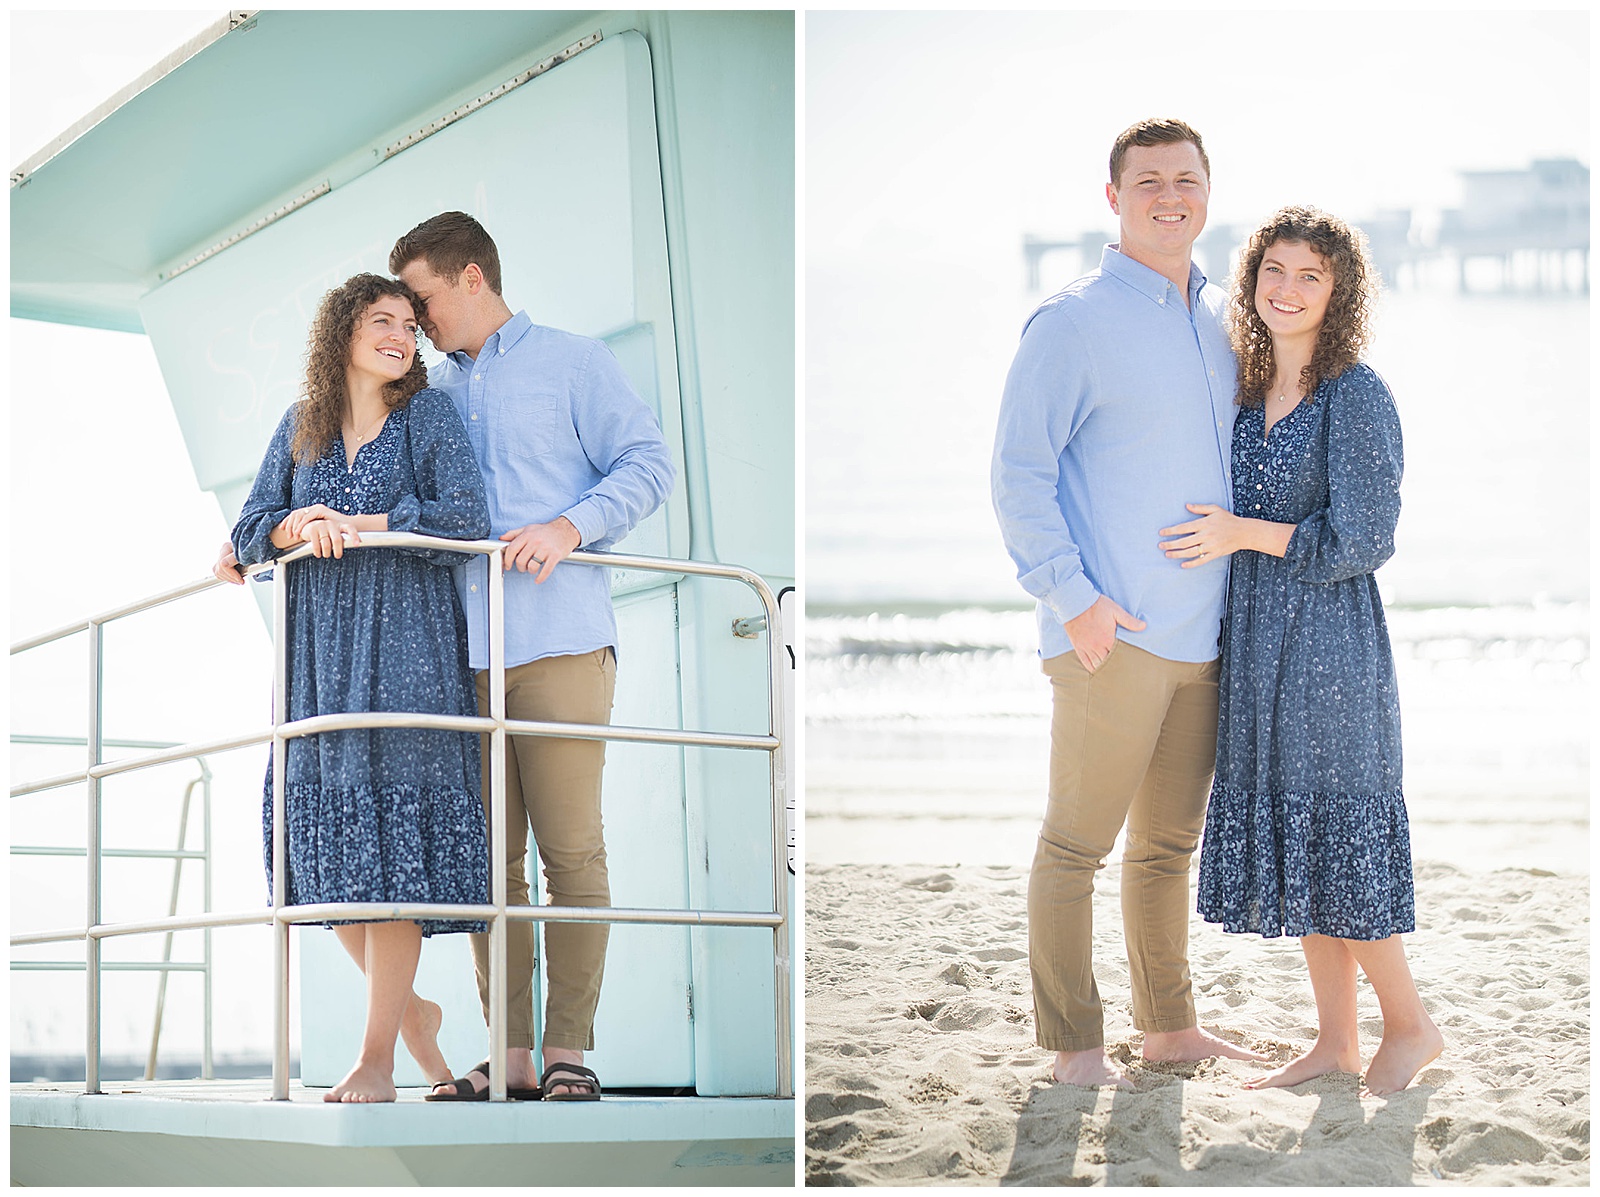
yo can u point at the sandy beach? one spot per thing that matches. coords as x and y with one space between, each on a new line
921 1066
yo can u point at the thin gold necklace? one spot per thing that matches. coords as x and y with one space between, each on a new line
354 451
361 437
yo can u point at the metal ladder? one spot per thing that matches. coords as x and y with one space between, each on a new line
166 966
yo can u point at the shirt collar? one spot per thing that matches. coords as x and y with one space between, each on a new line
502 339
1141 278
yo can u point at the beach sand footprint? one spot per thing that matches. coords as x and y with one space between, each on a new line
921 1066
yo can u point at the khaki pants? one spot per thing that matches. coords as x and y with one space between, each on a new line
1133 743
553 785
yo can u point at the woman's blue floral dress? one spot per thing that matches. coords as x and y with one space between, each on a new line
1306 830
379 815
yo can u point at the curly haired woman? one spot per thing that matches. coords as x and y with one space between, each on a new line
375 815
1306 831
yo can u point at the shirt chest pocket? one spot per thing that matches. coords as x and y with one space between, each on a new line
530 422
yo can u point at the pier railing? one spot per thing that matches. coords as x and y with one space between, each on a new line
495 912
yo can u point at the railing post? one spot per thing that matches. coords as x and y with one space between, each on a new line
497 825
782 965
96 733
207 1070
280 754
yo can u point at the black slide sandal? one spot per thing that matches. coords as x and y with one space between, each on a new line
570 1074
462 1088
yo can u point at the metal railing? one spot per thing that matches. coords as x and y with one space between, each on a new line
166 966
498 727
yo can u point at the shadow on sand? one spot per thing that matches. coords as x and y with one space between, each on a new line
1168 1131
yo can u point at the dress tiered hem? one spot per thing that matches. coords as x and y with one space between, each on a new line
1299 864
393 843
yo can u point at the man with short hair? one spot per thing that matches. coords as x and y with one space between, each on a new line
1117 411
571 457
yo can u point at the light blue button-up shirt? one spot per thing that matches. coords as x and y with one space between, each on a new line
1118 410
557 431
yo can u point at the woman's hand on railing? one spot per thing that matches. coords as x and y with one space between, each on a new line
294 523
327 538
298 527
227 568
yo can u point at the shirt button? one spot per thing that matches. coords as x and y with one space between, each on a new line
474 415
1258 508
1262 466
1258 486
347 490
477 376
473 588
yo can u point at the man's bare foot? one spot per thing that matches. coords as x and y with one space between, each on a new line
1189 1045
419 1031
1089 1069
364 1082
1400 1056
1319 1061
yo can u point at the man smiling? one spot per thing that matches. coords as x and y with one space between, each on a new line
1117 411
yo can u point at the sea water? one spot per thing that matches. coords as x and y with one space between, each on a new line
927 716
927 736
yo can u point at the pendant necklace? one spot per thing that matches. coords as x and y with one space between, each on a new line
1284 397
361 438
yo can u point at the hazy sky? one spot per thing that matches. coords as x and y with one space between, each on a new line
923 128
935 141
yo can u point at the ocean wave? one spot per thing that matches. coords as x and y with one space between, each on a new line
953 668
1554 632
901 635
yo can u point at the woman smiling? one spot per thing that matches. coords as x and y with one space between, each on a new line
375 815
1306 831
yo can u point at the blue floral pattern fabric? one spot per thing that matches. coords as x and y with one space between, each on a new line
1306 830
379 815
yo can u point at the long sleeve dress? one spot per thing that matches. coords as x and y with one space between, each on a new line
1306 830
379 815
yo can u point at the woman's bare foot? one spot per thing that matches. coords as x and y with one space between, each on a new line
419 1031
1400 1056
1089 1069
1189 1045
364 1082
1319 1061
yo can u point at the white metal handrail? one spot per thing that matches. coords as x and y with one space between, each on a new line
497 726
166 966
